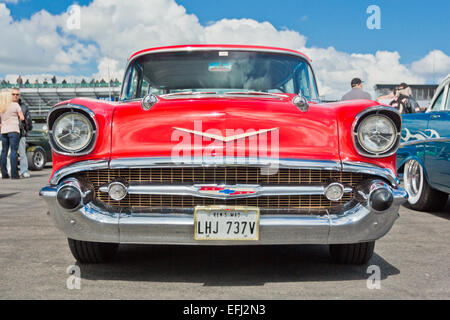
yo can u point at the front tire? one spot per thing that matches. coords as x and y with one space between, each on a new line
421 196
352 253
92 252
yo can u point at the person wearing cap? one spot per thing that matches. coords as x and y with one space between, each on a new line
357 91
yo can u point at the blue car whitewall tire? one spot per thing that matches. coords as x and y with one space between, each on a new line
421 196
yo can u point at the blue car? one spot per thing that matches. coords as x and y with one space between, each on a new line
424 155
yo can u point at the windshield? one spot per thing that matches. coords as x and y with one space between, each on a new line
218 72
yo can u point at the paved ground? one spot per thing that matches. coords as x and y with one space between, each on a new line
414 260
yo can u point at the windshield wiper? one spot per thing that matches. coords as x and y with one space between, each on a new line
185 93
254 93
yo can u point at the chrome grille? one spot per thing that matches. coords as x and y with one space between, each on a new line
275 202
228 175
222 175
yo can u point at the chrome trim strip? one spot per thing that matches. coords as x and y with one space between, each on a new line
363 167
217 48
78 167
194 190
162 162
414 142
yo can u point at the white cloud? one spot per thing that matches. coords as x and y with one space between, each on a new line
111 30
434 64
248 31
123 27
37 45
335 70
109 69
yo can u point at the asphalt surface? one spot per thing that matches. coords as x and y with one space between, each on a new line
413 258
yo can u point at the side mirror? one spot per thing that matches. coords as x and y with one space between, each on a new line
301 102
149 101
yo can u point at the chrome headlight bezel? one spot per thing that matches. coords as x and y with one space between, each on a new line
394 119
56 114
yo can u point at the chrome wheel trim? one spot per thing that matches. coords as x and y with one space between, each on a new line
38 159
413 177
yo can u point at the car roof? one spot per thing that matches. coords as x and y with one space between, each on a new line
195 47
439 89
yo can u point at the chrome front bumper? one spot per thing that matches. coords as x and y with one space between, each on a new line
360 223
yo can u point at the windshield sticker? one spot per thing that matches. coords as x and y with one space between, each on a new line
219 67
223 53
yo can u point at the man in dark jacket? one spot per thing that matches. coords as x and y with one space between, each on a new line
25 127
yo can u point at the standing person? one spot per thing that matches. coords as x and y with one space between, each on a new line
10 113
357 91
19 81
403 99
25 127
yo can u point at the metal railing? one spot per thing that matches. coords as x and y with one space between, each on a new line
60 85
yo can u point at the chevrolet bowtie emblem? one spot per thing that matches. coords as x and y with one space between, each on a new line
225 192
228 138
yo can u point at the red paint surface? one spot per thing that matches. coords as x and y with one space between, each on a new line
321 133
307 135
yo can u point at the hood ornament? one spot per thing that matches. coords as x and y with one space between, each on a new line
300 101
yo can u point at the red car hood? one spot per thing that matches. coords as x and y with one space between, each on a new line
156 133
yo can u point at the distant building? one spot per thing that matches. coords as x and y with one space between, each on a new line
422 93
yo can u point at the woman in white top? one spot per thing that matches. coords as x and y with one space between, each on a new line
10 113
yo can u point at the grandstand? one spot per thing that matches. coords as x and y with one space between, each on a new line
41 97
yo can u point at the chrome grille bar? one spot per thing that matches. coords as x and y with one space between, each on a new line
196 190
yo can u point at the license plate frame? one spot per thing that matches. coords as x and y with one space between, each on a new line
221 215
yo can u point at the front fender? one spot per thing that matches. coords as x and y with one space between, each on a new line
413 152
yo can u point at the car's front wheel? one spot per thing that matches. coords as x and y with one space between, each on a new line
92 252
352 253
421 196
36 159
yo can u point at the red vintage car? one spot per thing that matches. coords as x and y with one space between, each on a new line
223 145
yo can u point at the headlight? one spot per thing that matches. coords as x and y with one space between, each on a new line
72 132
376 131
377 134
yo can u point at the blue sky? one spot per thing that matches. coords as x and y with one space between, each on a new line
411 27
